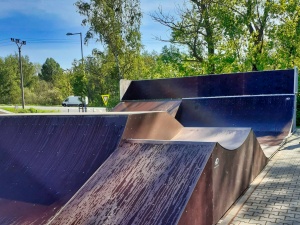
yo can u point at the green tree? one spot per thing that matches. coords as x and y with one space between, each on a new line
62 82
254 20
115 23
79 80
10 88
286 34
49 70
10 92
224 35
197 28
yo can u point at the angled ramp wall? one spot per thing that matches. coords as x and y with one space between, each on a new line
44 160
250 83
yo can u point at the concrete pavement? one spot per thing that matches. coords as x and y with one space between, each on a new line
274 196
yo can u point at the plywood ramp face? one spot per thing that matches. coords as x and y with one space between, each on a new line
260 158
155 125
170 106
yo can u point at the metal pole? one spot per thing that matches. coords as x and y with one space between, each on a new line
81 48
21 76
82 64
84 102
19 43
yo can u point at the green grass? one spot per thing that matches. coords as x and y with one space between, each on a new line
30 110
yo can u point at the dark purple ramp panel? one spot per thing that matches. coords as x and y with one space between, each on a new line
170 106
45 159
268 116
143 182
251 83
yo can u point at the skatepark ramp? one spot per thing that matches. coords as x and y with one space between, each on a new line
45 159
166 182
264 101
120 168
182 155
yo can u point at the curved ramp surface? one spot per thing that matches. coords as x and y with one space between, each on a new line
228 138
170 106
44 160
78 170
268 116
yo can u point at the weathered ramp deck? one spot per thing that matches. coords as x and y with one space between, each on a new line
142 183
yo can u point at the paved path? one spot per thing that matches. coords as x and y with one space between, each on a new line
274 196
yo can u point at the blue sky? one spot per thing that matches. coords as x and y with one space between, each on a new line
43 24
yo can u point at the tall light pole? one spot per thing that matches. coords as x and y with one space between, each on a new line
80 44
19 44
82 62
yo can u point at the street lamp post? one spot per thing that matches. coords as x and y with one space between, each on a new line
19 44
82 62
80 44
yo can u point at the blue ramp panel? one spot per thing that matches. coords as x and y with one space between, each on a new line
251 83
266 115
44 160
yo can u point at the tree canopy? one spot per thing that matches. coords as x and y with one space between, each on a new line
116 24
207 37
229 36
49 70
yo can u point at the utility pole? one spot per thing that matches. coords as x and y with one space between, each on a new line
19 44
